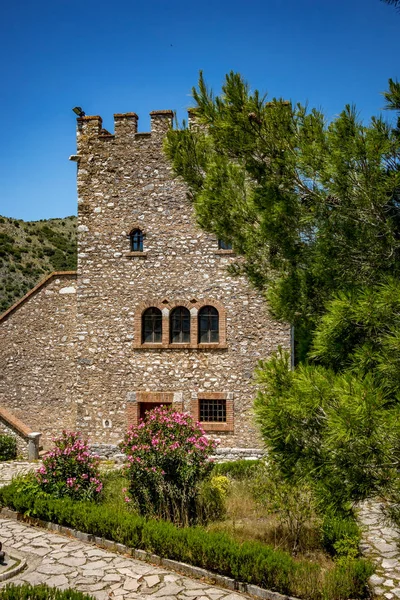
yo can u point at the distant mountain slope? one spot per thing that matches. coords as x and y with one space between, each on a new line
29 250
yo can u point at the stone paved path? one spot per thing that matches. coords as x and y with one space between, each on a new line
64 562
381 544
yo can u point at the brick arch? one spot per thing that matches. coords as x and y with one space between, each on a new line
134 226
137 323
158 303
221 320
176 303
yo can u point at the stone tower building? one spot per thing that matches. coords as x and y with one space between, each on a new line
156 318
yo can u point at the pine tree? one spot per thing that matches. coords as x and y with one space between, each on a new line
312 207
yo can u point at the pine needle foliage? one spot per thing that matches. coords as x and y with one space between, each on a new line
312 206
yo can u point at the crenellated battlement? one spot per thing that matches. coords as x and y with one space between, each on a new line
90 128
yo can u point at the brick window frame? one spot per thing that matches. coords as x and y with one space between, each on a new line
166 308
135 399
209 426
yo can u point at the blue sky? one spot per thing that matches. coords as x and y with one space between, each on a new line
140 56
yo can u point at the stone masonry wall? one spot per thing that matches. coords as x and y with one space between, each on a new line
37 368
124 182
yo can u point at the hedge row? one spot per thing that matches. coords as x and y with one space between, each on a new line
40 592
249 562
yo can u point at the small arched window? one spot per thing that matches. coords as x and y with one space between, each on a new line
136 237
152 326
180 326
208 325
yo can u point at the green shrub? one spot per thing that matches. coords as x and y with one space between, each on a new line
250 562
70 470
292 503
236 469
26 591
8 447
211 501
340 535
167 460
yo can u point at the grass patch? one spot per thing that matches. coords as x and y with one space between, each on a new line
27 591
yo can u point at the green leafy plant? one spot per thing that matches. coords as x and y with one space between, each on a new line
168 457
26 591
8 447
70 470
236 469
292 503
250 562
211 499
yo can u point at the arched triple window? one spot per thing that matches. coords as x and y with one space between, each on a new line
208 325
136 237
152 326
180 326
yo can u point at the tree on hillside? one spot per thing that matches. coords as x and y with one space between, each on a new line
311 206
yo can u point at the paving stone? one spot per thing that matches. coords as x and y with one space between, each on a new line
94 587
97 564
171 590
72 561
37 551
112 577
131 585
57 581
120 592
152 580
97 573
389 563
376 580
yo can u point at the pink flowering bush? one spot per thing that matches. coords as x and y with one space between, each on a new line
168 458
70 470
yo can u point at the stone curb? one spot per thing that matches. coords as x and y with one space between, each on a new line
15 570
185 569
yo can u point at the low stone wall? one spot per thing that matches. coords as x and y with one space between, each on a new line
227 454
112 452
27 440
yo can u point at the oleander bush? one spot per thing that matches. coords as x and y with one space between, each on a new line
70 470
8 447
167 459
250 562
26 591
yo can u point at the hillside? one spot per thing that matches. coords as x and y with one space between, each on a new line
29 250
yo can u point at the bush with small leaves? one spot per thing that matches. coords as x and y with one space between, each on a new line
168 457
70 470
8 447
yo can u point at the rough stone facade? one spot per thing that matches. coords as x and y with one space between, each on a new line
86 365
37 369
125 183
